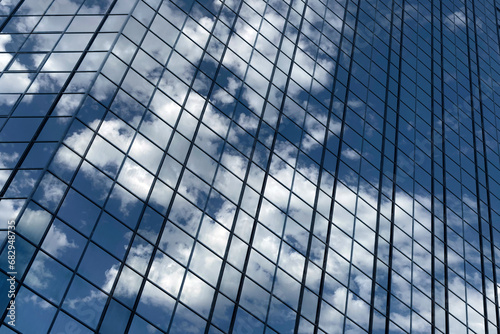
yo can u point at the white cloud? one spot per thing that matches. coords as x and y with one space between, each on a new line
16 83
33 224
456 19
94 295
6 159
50 190
351 154
10 210
37 301
135 178
39 276
5 58
56 241
7 6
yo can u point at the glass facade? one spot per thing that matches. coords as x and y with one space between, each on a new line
249 166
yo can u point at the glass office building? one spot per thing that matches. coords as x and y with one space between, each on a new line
249 166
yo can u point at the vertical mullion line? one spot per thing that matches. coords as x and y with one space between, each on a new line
318 187
247 173
268 166
459 176
497 22
488 199
433 171
394 173
40 128
443 152
381 178
339 160
337 163
9 17
475 145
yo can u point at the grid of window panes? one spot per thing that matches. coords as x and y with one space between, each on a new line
250 166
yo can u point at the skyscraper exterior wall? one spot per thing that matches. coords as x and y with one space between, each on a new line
249 166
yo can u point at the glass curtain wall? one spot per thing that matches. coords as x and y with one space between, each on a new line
249 166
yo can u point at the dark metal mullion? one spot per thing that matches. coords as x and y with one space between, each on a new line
59 95
497 23
490 221
395 171
271 151
351 265
459 177
338 161
327 241
443 152
381 177
488 200
412 237
433 176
